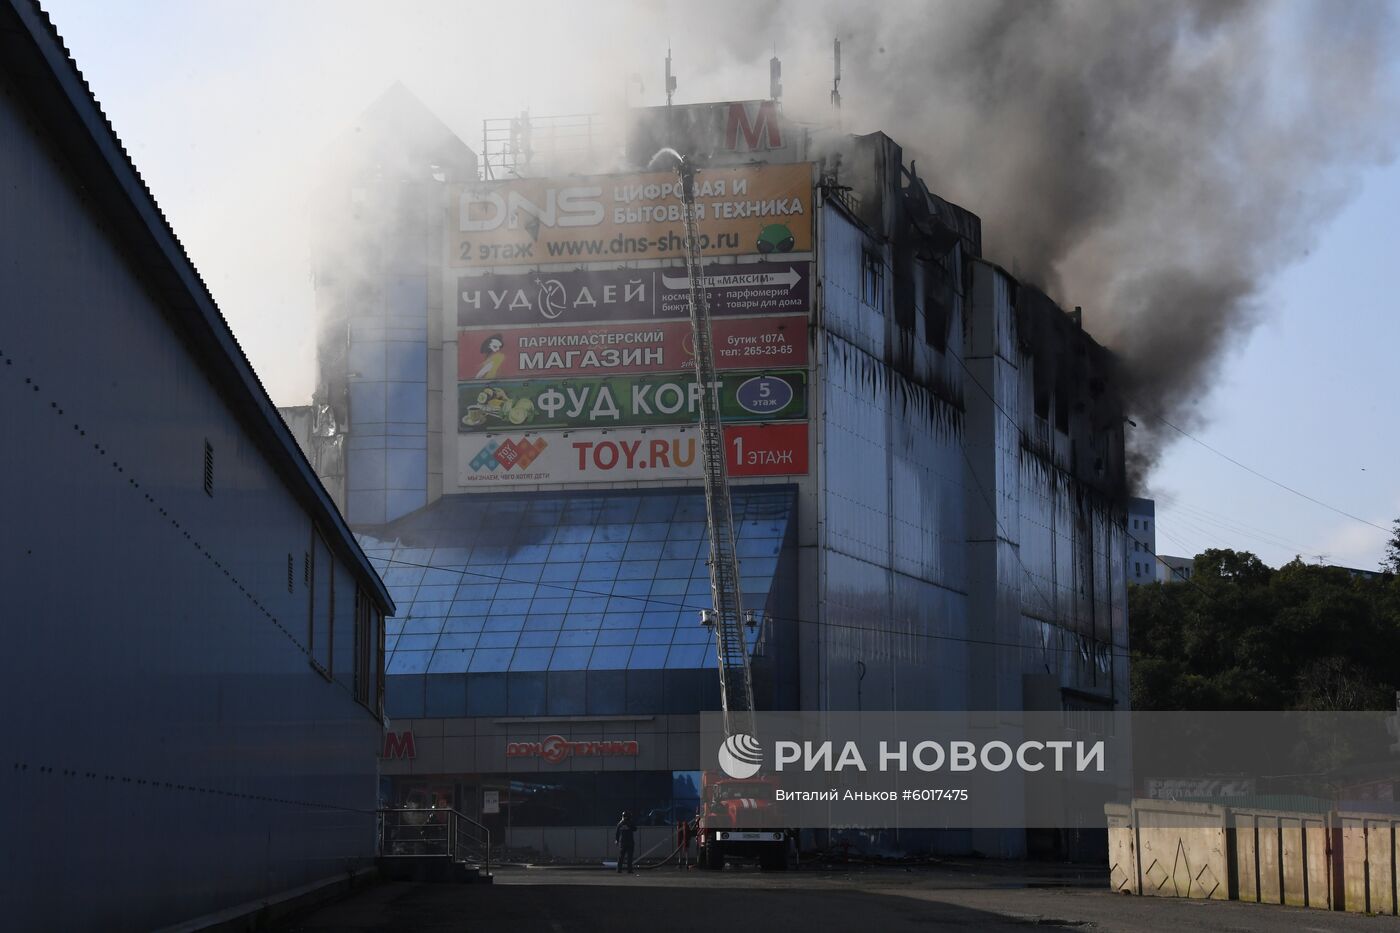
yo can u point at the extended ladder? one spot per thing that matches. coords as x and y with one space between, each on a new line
727 618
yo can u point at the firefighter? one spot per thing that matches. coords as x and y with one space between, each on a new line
685 831
625 836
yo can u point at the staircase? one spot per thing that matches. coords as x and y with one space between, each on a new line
433 845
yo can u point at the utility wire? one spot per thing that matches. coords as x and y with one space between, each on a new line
1266 478
1196 514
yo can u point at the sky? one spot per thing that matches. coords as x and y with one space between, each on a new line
228 109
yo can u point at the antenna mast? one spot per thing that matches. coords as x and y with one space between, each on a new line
836 83
670 79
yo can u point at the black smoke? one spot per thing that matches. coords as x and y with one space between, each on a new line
1155 162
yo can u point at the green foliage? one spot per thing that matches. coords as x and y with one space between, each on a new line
1240 635
1391 563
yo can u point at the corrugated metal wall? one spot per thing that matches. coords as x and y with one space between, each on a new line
894 579
967 544
170 749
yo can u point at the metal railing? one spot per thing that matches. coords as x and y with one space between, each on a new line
415 832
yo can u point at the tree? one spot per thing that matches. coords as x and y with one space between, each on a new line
1391 563
1240 635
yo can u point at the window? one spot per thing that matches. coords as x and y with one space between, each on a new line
1062 399
872 286
1040 382
368 647
938 299
208 468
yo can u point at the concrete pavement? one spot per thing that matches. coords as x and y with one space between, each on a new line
985 896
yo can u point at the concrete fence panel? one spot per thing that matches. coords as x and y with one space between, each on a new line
1366 863
1181 849
1353 863
1280 858
1270 860
1316 835
1177 849
1292 860
1122 850
1244 838
1380 866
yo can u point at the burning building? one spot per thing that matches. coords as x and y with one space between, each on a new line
927 458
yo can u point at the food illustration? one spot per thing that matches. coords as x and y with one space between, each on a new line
494 403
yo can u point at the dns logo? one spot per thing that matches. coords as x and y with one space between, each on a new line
741 756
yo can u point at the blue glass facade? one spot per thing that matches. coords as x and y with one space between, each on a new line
387 450
569 603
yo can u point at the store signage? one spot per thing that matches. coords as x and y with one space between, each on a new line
556 748
488 462
485 354
734 130
580 296
399 745
615 401
753 209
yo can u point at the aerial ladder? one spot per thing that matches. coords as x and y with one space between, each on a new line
725 800
727 618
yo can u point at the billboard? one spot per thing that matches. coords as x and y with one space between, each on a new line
588 296
495 461
600 218
613 401
488 354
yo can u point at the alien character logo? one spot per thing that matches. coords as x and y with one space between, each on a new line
775 238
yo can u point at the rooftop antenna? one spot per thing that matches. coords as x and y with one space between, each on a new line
836 83
775 77
670 79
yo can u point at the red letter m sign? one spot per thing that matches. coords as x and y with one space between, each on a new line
398 745
764 123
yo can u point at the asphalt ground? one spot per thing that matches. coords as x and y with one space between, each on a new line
953 896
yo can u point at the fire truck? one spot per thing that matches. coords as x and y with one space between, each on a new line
738 819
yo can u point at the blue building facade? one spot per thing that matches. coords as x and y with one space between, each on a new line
193 638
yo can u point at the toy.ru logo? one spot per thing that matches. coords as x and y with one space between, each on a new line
741 756
504 455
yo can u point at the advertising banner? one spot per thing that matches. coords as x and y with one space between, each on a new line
585 296
485 353
615 401
526 221
494 461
